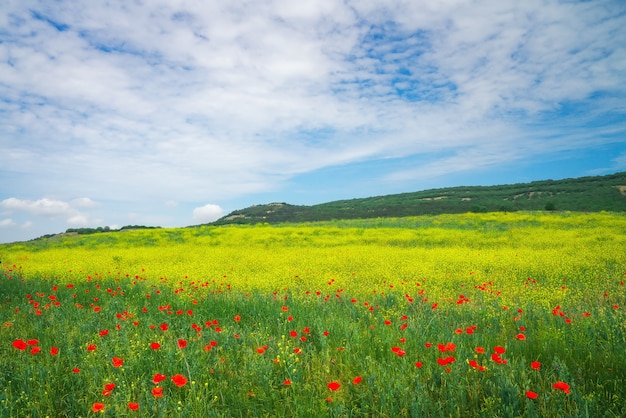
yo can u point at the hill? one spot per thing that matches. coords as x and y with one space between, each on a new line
583 194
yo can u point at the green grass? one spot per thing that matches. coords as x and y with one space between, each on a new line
315 304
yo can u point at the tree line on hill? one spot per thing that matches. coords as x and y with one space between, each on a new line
583 194
100 229
87 231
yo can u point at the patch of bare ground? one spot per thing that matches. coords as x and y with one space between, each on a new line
434 198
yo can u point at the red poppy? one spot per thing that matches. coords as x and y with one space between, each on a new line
480 350
293 334
104 332
496 357
32 342
535 365
357 380
97 407
531 395
35 350
287 382
418 364
498 349
179 380
76 370
20 344
133 406
334 386
446 361
182 343
157 392
398 351
109 386
54 351
91 347
520 337
158 378
155 346
117 362
561 386
164 327
237 318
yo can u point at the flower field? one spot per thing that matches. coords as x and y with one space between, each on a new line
454 315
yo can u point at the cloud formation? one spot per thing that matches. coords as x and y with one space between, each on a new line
7 223
191 102
207 213
50 208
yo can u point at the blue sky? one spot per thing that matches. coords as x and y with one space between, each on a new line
174 113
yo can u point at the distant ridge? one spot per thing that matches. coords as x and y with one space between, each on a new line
583 194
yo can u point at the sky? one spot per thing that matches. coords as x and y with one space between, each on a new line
174 113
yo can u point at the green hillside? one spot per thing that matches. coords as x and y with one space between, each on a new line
584 194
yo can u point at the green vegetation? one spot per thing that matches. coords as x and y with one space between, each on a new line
585 194
98 230
478 314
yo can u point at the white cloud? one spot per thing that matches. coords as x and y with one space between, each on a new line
216 100
42 207
7 223
50 208
207 213
84 202
78 220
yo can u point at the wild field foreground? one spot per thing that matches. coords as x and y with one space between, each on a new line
454 315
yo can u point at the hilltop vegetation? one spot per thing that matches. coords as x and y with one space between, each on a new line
584 194
98 230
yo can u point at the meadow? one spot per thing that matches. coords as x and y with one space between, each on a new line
490 314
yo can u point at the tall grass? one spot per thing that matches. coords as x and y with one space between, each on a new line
435 316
